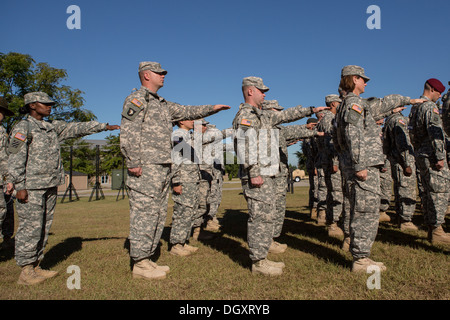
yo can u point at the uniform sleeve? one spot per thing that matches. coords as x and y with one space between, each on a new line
130 132
355 138
246 142
289 115
179 112
70 130
403 144
3 156
385 106
17 161
435 132
296 132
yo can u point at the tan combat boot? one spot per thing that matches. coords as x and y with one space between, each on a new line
346 244
439 236
276 247
200 234
384 217
408 226
264 267
179 250
212 225
321 218
190 248
145 270
361 265
335 231
276 264
166 269
47 274
313 213
29 277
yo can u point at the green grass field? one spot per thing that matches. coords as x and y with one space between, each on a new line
92 236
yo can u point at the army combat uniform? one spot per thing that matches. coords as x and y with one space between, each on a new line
329 160
359 140
254 133
186 174
428 138
35 165
145 142
400 153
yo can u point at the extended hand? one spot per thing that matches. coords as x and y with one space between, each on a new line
417 101
318 109
112 127
220 107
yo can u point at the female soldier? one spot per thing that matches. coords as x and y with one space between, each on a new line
35 168
362 157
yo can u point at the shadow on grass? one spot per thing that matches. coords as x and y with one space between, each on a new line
63 250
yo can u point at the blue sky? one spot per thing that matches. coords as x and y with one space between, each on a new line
207 46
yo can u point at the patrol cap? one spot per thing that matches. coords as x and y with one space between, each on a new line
436 84
41 97
331 98
353 70
271 104
4 107
152 66
254 82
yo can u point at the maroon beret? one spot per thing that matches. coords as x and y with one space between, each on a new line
436 84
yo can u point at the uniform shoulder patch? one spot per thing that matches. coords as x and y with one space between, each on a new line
136 102
436 110
20 136
357 108
401 121
246 122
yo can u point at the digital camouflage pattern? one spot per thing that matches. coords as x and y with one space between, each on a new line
400 152
360 147
35 165
187 174
333 180
248 125
428 138
3 171
145 141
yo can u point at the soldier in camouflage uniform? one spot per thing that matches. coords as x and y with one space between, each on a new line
256 145
362 155
35 168
428 138
400 153
146 144
321 183
330 165
287 135
4 112
185 181
309 149
385 181
213 153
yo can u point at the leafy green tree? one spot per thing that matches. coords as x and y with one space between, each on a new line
20 74
111 157
231 169
301 160
83 156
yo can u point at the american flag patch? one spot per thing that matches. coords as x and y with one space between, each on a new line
435 110
20 136
246 122
136 102
402 122
356 108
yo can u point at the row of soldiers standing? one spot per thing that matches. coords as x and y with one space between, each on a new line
407 153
